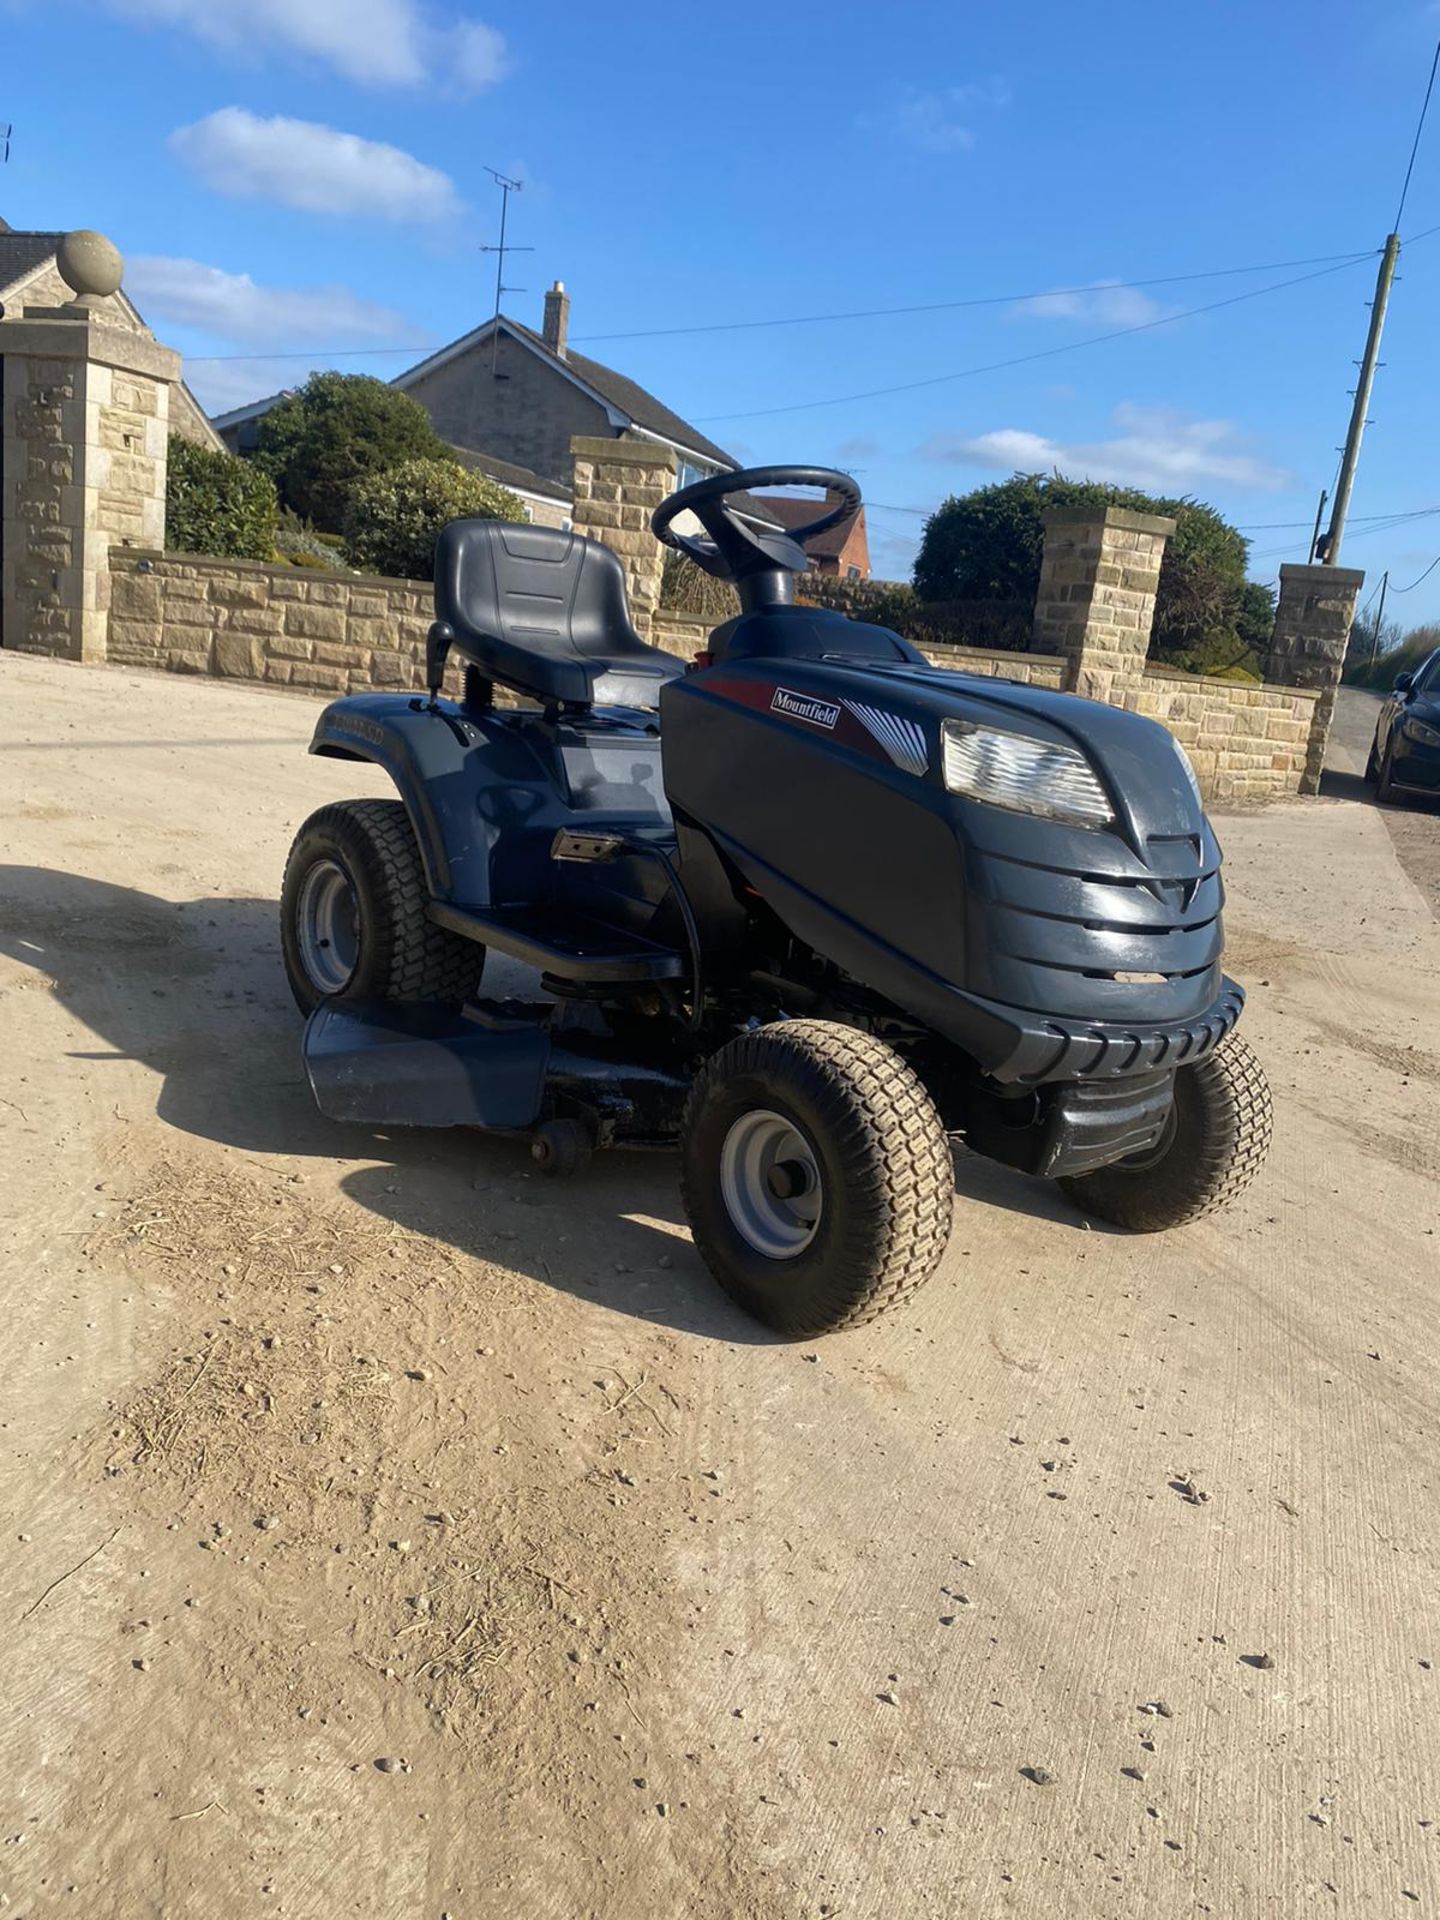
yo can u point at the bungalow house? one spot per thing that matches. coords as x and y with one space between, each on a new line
29 277
508 401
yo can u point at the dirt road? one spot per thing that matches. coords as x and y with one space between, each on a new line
389 1533
1413 822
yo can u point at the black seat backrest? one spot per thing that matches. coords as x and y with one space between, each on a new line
543 611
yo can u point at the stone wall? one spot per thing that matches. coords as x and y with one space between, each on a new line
1029 669
685 634
85 422
1096 606
317 632
1096 601
1245 742
618 485
1307 648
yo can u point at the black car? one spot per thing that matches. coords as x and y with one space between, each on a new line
1406 755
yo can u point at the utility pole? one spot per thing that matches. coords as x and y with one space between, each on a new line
1351 456
1379 618
507 187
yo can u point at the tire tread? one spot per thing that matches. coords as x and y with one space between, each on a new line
416 961
884 1124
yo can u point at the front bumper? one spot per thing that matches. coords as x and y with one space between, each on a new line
1416 763
1018 1047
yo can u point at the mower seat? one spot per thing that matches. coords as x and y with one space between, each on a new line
544 612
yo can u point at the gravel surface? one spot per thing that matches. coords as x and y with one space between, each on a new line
392 1533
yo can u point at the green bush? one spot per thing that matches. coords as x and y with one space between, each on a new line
216 503
1003 625
297 544
396 517
320 442
987 545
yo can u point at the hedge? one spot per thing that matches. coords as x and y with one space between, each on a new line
216 503
396 516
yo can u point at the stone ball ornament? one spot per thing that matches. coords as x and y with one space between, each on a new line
89 263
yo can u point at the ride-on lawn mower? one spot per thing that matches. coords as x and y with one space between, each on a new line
844 906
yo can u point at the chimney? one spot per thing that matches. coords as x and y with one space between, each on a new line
557 318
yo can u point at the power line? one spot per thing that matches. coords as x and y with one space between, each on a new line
1385 525
1419 129
816 319
987 300
1424 576
1276 526
1243 526
1025 359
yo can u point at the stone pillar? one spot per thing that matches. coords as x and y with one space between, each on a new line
1096 600
1307 649
618 485
84 415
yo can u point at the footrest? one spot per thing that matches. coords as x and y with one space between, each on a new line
559 943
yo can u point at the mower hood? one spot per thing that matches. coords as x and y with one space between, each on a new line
827 784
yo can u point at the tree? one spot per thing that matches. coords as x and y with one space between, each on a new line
1397 654
396 517
321 442
1370 641
986 545
216 503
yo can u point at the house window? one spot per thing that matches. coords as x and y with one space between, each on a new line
687 473
852 573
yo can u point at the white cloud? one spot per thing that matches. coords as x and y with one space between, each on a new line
1108 305
376 43
187 293
1156 447
233 383
938 121
318 169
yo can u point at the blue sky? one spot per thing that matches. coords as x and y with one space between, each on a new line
301 176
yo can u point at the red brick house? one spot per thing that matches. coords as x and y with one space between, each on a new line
844 551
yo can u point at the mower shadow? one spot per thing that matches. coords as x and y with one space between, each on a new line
194 992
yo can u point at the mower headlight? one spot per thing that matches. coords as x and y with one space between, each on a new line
1191 776
1028 776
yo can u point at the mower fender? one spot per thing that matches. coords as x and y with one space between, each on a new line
439 762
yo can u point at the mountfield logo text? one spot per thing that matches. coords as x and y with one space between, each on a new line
803 706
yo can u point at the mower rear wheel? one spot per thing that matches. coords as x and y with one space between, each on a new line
354 919
1216 1144
816 1176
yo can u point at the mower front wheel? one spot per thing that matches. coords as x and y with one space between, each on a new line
354 914
1217 1140
816 1176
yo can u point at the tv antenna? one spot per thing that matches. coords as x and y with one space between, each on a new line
507 186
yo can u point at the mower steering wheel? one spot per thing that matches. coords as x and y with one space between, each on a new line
735 550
